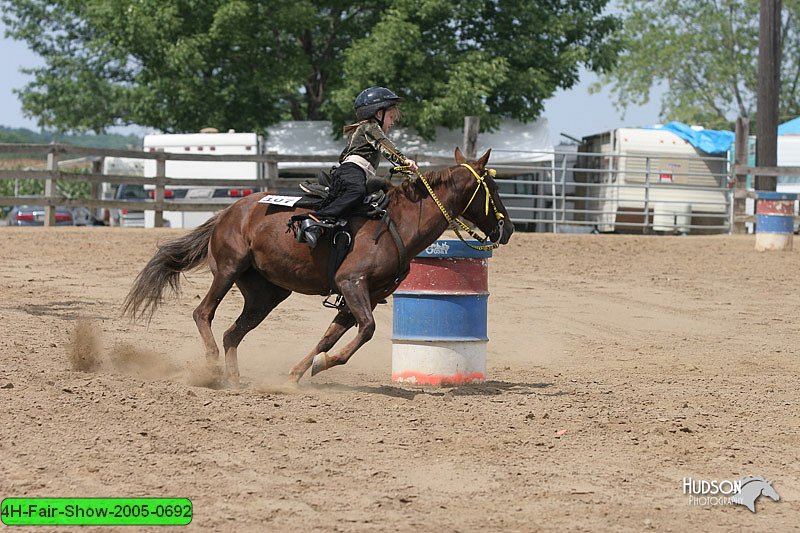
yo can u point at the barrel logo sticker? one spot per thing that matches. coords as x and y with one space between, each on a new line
438 248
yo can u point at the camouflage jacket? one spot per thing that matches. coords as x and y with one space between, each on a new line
366 143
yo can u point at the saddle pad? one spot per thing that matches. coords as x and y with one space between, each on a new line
311 202
275 199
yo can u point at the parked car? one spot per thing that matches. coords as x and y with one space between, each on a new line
33 215
82 216
129 218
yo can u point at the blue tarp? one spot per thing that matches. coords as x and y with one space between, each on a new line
709 141
790 128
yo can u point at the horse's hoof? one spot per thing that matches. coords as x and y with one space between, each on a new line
232 384
291 384
319 363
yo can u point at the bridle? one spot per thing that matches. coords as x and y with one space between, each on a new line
455 222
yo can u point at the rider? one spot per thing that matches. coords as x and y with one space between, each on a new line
376 111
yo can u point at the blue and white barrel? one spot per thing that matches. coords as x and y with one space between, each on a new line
439 332
774 220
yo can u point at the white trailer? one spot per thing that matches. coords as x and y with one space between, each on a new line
652 175
203 144
789 156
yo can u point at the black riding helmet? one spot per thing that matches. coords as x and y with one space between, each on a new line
369 101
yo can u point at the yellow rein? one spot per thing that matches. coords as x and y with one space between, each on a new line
481 179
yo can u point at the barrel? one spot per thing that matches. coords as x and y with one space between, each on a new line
439 327
774 220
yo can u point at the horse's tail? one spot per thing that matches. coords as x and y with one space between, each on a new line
164 269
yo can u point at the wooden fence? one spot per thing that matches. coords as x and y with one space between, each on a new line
270 181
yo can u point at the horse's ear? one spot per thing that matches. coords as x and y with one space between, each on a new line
484 158
459 156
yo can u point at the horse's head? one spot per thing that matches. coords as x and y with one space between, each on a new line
485 209
752 487
768 490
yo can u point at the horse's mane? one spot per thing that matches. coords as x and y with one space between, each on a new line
414 190
748 479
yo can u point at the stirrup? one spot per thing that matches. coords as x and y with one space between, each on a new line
310 231
339 303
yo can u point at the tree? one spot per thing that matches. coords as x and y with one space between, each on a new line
705 53
181 65
489 58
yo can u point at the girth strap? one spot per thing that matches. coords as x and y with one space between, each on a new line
340 245
401 248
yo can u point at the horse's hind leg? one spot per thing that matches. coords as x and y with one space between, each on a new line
204 313
260 297
344 321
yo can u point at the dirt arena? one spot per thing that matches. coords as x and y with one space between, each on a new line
619 365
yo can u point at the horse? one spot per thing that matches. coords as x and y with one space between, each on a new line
247 244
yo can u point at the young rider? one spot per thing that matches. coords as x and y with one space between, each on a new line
376 111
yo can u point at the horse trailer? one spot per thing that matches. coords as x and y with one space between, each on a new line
211 143
632 180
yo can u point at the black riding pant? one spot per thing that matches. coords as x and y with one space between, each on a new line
348 188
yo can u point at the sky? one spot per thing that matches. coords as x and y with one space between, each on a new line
574 111
578 114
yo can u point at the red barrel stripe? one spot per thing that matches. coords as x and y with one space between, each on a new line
775 207
422 378
447 276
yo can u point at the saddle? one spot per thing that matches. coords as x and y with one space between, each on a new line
316 194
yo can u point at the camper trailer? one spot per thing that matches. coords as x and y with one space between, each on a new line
638 179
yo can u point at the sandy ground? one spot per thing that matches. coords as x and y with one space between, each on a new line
619 365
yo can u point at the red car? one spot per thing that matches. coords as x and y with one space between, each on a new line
33 215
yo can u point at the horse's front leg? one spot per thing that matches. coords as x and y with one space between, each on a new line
341 324
356 294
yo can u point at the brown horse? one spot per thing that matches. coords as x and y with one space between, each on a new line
248 244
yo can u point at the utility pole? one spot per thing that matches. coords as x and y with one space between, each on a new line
741 151
472 125
769 62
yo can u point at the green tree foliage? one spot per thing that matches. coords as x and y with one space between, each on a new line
477 57
67 189
705 54
19 161
26 136
181 65
23 187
